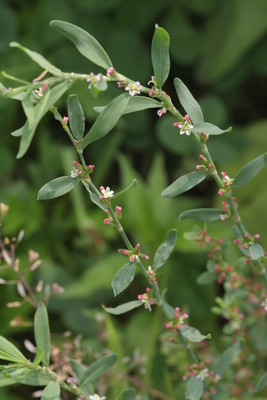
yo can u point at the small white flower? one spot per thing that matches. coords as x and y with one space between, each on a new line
74 173
185 128
133 88
107 193
97 397
264 304
203 374
146 304
93 80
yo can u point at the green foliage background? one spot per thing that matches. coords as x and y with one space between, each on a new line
219 50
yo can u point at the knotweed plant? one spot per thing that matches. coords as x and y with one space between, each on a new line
244 302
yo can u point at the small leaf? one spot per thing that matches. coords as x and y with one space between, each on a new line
256 251
86 44
79 370
38 357
194 389
165 249
136 103
98 368
57 187
123 308
160 55
210 129
8 349
76 117
184 183
261 384
132 185
42 332
123 278
39 59
227 357
206 277
106 120
193 335
202 214
188 102
51 391
249 171
128 394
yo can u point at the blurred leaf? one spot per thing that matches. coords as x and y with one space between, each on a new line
160 55
9 352
94 198
202 214
57 187
97 368
29 377
184 183
42 332
132 185
209 128
51 391
256 251
194 389
193 335
261 384
5 380
79 370
39 355
76 117
123 278
206 278
123 308
136 103
228 357
165 249
188 102
86 44
250 170
128 394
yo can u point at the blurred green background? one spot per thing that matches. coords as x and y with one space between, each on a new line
219 50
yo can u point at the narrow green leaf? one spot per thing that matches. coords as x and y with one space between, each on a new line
160 55
249 171
132 185
128 394
39 59
86 44
123 308
39 355
29 377
57 187
94 198
261 384
188 102
202 214
194 389
123 278
193 335
76 117
210 129
8 348
256 251
79 370
42 332
51 391
165 249
227 357
6 380
29 111
184 183
206 278
136 103
98 368
20 132
17 93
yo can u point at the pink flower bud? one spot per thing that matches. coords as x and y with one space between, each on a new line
107 221
120 84
186 117
125 252
140 296
150 93
223 174
65 119
110 71
138 246
176 124
118 209
160 112
168 326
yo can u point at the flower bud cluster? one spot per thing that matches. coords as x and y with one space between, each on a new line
206 165
147 298
214 246
185 127
227 182
109 220
82 172
201 372
133 254
246 241
177 322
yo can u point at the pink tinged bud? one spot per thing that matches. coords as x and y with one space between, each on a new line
75 163
146 257
70 380
138 246
168 326
125 252
107 221
65 119
210 165
101 188
148 290
160 112
151 301
220 192
243 246
101 197
91 166
236 241
223 174
176 124
118 209
150 93
185 315
120 250
257 236
175 331
140 296
120 84
186 117
222 217
132 258
110 71
246 236
178 326
199 167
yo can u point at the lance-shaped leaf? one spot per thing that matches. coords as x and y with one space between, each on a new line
165 249
210 129
39 355
57 187
228 357
202 214
132 185
193 335
128 394
136 103
188 102
123 278
256 251
94 198
98 368
123 308
79 370
206 277
39 59
76 116
42 332
194 389
184 183
106 120
261 384
160 55
17 93
9 352
51 391
249 171
86 44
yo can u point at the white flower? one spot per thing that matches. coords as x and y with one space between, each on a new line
264 304
93 80
133 88
74 173
107 193
185 128
203 374
97 397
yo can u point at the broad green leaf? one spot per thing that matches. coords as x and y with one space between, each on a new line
132 185
29 377
227 357
86 44
128 394
165 249
8 349
202 214
249 171
188 102
123 308
206 277
94 198
194 389
39 355
160 55
193 335
136 103
256 251
57 187
97 368
42 332
261 384
106 120
184 183
123 278
39 59
210 129
51 391
76 117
